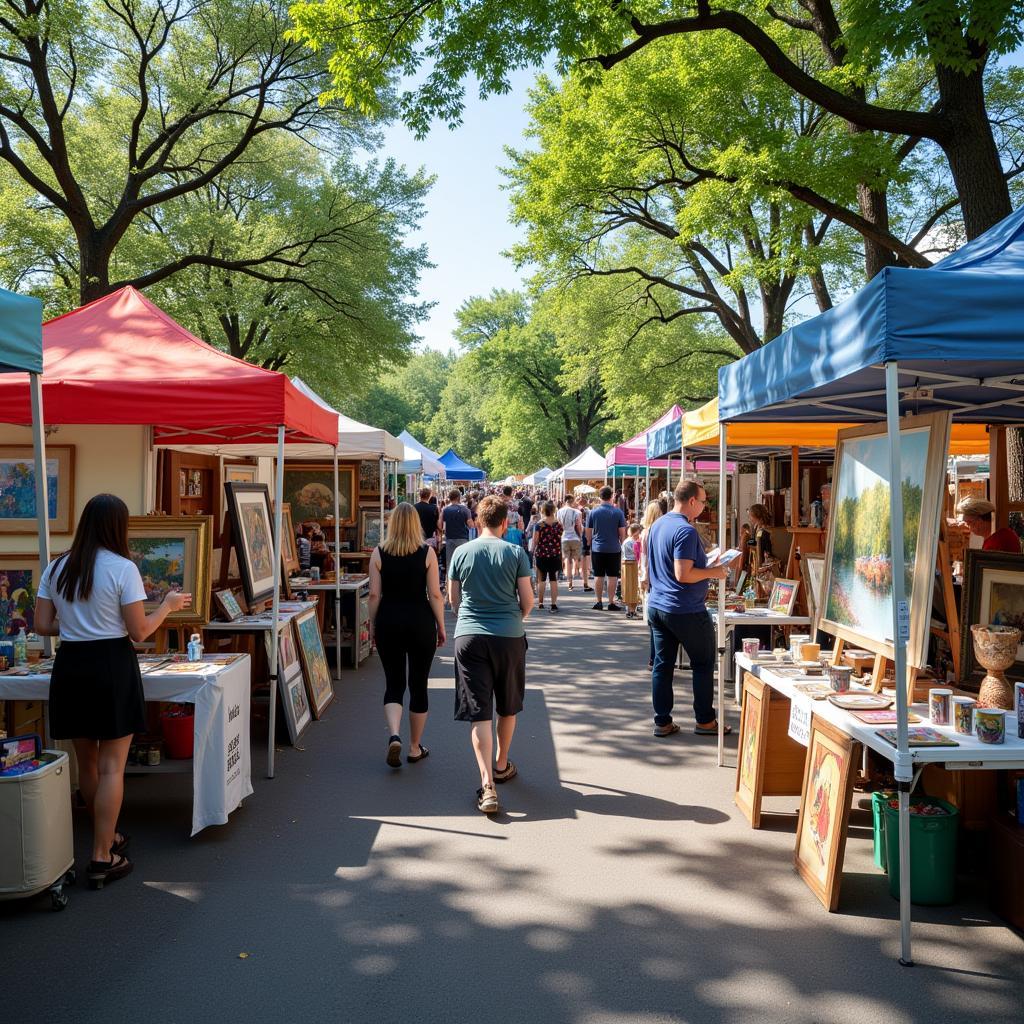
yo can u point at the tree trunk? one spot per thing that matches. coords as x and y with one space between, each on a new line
874 207
93 270
971 150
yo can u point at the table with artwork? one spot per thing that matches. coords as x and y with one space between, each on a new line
756 617
218 687
353 589
795 740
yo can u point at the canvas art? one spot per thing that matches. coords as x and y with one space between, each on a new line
240 474
747 796
18 489
19 578
369 478
824 811
249 506
783 596
993 595
173 553
370 533
287 651
314 660
297 715
812 568
858 586
227 604
289 548
309 490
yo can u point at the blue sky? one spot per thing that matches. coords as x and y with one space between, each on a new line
466 226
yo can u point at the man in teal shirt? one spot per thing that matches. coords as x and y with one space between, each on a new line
489 589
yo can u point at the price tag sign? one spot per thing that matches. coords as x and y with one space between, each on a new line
800 711
903 623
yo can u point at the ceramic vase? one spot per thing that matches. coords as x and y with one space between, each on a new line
995 647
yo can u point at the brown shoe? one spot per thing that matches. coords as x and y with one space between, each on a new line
510 772
666 730
487 800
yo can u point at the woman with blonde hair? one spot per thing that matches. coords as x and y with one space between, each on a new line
407 624
652 513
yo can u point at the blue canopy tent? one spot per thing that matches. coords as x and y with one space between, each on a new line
456 469
946 339
21 351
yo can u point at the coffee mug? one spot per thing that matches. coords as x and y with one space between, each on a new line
990 725
963 714
810 651
938 705
751 646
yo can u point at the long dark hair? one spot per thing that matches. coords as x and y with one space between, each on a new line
104 524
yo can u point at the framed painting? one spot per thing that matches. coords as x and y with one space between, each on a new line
370 532
239 474
226 603
369 478
753 722
296 705
314 660
309 489
19 580
857 592
289 547
18 488
287 652
174 553
182 483
783 596
993 596
249 506
825 810
812 569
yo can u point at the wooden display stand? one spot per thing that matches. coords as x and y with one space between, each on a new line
770 763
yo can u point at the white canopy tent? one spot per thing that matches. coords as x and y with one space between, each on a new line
535 479
588 465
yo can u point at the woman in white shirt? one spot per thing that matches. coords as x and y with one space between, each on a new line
92 597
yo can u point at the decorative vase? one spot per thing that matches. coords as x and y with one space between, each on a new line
995 647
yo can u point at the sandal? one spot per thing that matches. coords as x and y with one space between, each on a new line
487 800
554 607
102 871
701 730
395 752
413 758
510 771
120 846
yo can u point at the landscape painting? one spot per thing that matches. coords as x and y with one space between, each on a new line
173 553
309 489
314 661
18 488
19 577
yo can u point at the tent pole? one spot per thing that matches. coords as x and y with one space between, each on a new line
276 601
337 579
904 769
721 598
381 463
42 490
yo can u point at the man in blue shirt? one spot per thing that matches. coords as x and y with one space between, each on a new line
606 530
678 576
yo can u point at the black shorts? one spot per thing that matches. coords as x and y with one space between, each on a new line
490 674
606 563
549 568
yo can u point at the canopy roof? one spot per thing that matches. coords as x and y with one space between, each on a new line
21 339
456 469
634 451
419 458
955 331
588 465
358 440
537 477
122 360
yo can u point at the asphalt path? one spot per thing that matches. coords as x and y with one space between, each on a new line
620 885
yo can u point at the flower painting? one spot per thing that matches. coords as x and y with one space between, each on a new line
18 488
19 576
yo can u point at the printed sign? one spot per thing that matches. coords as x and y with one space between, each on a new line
800 711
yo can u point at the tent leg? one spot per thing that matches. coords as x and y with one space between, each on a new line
42 491
276 601
381 463
721 594
900 621
337 580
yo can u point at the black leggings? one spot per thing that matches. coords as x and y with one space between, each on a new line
407 643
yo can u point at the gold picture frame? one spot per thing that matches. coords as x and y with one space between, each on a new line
174 552
289 546
18 488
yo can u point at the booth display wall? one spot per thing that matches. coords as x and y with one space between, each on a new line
114 460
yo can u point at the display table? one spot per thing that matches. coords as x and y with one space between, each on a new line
221 769
356 610
755 617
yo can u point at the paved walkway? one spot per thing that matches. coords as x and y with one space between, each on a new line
621 886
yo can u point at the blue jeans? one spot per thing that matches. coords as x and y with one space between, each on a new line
696 633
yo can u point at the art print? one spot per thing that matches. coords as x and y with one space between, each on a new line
19 579
748 795
309 490
296 707
240 474
18 489
249 506
314 660
227 605
370 531
289 547
173 553
369 478
783 596
812 568
858 587
993 596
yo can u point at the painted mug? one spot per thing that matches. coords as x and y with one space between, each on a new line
938 705
839 677
810 651
963 714
751 646
990 725
1018 703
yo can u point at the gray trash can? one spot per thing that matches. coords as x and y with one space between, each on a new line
36 843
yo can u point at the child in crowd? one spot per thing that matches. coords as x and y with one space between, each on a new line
630 574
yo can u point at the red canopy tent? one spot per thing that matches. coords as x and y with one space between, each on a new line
121 360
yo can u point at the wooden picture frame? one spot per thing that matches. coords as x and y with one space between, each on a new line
289 546
315 669
825 811
18 488
253 538
783 596
174 552
19 584
856 601
371 528
993 594
812 569
369 478
227 605
239 474
309 489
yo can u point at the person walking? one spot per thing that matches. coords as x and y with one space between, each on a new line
623 502
630 571
489 588
584 507
547 545
514 534
407 625
93 597
678 576
572 536
651 514
456 522
606 530
430 517
526 509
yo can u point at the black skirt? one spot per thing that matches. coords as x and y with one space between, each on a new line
96 690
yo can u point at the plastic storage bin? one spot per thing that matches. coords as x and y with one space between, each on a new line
878 802
932 852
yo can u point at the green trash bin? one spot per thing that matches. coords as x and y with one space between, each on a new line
932 851
878 801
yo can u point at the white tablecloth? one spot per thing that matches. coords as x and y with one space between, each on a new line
221 769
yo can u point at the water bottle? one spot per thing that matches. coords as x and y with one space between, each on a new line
195 648
21 648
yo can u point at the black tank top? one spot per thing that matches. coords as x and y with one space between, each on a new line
404 578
